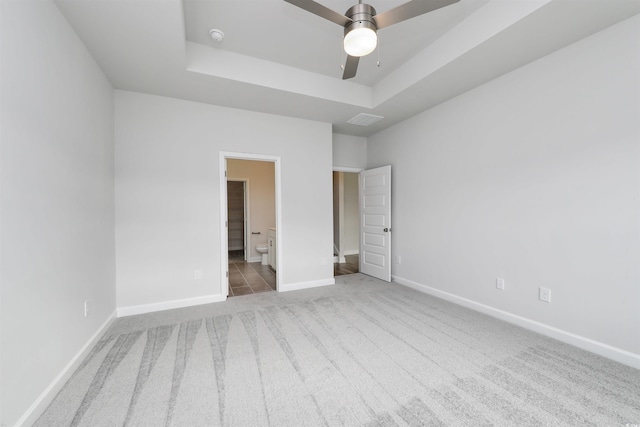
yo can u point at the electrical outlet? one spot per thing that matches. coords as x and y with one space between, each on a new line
500 283
197 274
86 308
545 294
398 259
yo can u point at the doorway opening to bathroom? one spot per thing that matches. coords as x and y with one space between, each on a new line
346 222
250 225
237 219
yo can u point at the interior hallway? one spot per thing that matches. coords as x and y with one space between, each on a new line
350 267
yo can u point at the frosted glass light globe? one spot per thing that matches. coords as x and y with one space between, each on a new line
360 41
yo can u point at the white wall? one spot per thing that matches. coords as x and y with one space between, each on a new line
338 212
349 151
533 177
346 214
168 196
351 214
262 199
56 203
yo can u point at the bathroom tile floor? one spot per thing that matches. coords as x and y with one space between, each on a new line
250 278
247 278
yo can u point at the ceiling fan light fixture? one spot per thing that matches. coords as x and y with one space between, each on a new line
361 34
360 41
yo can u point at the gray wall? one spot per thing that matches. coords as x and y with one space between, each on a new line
349 151
168 196
533 177
57 205
351 214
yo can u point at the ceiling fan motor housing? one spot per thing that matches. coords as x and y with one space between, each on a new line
362 17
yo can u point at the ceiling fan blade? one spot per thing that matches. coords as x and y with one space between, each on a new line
321 11
409 10
350 67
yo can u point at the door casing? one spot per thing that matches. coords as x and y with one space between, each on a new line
224 252
356 171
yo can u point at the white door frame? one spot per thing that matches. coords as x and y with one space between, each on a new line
224 244
247 215
338 216
352 170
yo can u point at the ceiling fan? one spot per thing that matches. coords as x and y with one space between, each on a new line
361 24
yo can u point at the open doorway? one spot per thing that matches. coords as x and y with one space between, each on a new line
250 223
237 217
346 223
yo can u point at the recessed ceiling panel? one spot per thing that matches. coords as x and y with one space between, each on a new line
277 31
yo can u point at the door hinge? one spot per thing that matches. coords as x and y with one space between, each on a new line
227 274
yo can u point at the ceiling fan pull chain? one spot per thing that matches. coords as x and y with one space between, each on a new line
378 63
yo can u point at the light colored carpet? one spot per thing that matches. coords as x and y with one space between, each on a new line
363 352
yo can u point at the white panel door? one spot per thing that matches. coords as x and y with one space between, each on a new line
375 223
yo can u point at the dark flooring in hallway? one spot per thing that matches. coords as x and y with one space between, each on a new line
350 267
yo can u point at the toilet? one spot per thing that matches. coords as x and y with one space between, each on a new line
263 250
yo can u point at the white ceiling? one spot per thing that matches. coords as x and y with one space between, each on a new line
277 31
277 58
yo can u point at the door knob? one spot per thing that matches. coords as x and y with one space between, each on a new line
386 230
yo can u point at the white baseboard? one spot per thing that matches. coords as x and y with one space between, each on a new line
168 305
605 350
46 397
352 252
306 285
255 259
339 260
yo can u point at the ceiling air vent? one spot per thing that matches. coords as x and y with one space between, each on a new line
363 119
